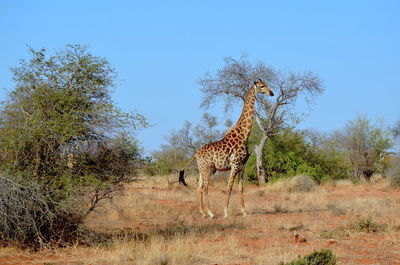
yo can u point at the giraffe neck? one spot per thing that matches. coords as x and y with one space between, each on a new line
242 128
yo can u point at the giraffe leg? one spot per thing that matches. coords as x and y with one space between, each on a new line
205 194
229 190
241 199
200 196
201 206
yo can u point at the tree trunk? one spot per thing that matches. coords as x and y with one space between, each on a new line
258 150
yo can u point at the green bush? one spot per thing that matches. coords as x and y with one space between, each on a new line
315 172
322 257
250 170
287 154
168 160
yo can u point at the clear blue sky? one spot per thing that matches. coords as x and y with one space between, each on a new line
161 48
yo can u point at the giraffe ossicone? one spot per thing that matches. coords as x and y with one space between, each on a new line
229 153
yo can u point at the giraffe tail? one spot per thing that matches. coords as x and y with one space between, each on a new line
182 177
182 172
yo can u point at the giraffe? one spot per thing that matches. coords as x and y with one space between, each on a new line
229 153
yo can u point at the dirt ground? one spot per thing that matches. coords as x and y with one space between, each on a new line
157 223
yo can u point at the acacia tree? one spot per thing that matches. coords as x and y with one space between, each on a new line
61 104
230 84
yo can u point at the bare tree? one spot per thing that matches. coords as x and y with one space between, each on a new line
183 143
230 84
190 138
183 139
366 145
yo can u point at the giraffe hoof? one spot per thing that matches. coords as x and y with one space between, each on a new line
226 213
212 216
244 213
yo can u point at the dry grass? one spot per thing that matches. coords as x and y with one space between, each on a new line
342 183
157 223
178 243
9 251
278 201
157 250
276 253
300 183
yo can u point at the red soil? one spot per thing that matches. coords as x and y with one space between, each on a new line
265 231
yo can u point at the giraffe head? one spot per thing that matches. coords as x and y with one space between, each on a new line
263 88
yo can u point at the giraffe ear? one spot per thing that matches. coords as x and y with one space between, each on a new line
255 82
259 79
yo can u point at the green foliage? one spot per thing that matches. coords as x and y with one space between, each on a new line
59 103
60 129
287 153
322 257
168 160
250 169
117 158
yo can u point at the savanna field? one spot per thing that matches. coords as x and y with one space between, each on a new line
76 187
156 221
117 116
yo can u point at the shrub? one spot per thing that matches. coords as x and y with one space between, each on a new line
367 225
314 172
168 161
301 183
29 217
290 152
323 257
